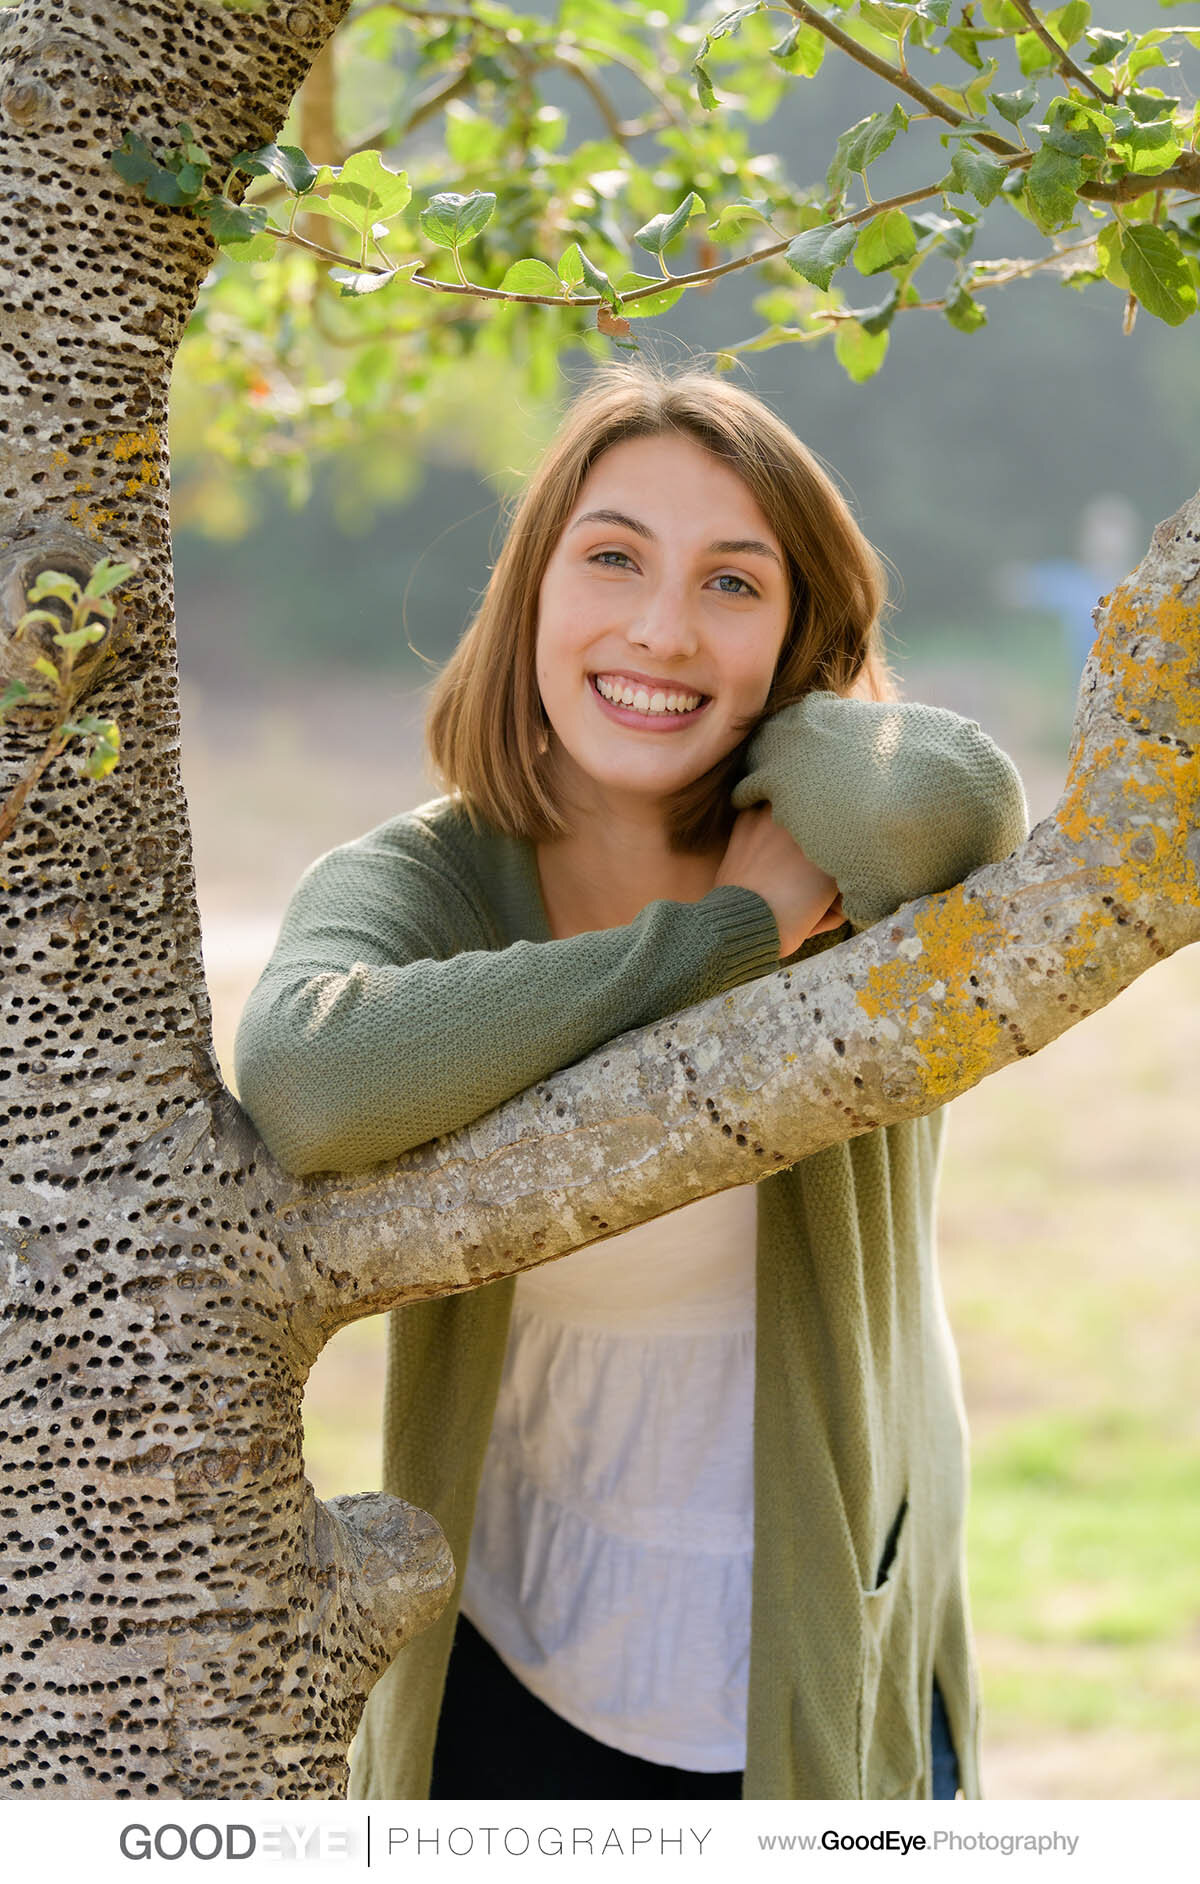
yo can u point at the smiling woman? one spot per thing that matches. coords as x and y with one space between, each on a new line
704 1480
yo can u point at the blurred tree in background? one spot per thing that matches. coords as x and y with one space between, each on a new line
1046 151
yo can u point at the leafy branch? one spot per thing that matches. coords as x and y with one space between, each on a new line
62 681
1108 142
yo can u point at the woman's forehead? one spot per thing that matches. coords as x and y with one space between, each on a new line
669 476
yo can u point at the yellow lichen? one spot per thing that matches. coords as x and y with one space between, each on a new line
956 1040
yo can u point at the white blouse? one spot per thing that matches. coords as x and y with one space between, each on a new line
611 1555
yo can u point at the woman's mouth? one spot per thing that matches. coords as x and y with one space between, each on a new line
637 703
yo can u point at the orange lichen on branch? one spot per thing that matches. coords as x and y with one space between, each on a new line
950 1026
144 446
1081 815
142 450
1140 684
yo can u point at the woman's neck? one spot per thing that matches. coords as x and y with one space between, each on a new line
604 876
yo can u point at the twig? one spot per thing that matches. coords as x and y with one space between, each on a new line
10 811
903 80
1018 162
1062 57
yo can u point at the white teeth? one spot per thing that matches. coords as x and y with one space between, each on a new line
622 693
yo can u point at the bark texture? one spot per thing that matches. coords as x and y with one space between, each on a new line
181 1617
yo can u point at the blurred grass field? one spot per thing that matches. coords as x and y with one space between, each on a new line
1069 1234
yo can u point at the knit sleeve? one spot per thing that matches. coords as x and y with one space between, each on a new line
893 799
388 1014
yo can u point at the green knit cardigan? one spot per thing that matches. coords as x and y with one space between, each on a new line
415 986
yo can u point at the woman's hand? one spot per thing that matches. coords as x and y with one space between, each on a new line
761 856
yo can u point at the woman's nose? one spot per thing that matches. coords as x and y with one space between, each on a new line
665 624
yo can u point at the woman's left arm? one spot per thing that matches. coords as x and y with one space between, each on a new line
893 799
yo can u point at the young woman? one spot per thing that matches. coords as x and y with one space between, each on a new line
711 1471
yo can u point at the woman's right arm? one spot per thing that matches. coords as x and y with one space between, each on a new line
389 1014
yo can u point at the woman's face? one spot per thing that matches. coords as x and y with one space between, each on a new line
661 617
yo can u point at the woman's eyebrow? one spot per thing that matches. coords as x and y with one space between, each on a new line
732 546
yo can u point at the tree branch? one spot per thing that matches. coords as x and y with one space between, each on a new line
1062 58
894 74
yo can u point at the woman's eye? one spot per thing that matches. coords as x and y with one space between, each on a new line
622 557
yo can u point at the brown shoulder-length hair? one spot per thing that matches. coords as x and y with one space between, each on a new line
487 731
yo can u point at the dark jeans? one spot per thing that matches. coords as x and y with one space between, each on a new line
498 1741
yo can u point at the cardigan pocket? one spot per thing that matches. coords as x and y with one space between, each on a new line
891 1735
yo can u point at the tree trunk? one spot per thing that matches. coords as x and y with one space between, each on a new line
182 1618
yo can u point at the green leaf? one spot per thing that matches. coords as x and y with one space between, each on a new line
529 276
599 282
1147 149
260 248
44 666
570 266
72 640
890 22
964 312
103 744
1105 47
53 582
365 191
1146 54
661 230
963 41
229 222
1015 105
1149 106
1108 249
735 216
873 320
861 353
976 174
730 22
136 163
354 281
13 695
190 149
314 205
704 86
1033 54
885 241
1052 180
1070 22
862 144
953 234
286 162
1158 273
816 253
450 219
976 93
801 51
651 303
